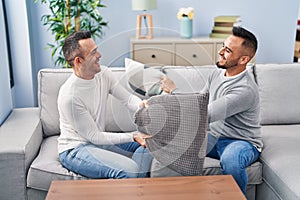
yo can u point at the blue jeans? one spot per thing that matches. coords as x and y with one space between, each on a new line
129 160
234 155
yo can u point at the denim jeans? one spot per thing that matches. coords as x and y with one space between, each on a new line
234 155
129 160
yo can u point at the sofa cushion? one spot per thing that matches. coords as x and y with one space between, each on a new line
49 82
142 79
254 171
114 121
278 88
280 159
46 167
188 79
211 167
192 79
178 125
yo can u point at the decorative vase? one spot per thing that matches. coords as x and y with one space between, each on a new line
186 27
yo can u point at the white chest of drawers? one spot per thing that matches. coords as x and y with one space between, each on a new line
176 51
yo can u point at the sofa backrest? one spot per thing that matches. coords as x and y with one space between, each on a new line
189 79
278 88
118 118
49 83
279 93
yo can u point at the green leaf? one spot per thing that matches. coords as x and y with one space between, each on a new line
90 19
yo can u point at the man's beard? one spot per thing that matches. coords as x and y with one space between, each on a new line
226 66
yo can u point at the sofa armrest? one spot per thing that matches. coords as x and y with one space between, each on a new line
20 139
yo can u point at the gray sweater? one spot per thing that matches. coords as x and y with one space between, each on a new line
233 109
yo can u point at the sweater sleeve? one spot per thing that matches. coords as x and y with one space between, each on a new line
235 101
131 101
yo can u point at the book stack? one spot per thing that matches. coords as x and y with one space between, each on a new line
223 26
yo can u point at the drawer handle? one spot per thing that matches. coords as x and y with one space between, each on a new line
153 56
194 56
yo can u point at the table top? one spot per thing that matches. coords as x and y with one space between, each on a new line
183 187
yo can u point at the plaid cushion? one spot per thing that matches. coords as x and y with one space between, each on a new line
178 125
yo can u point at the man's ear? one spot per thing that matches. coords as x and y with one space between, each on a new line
77 63
77 60
244 60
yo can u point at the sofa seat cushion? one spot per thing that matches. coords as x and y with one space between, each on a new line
254 171
211 167
280 159
46 167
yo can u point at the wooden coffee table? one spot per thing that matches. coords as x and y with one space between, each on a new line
184 187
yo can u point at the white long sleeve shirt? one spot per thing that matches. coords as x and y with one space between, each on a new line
82 108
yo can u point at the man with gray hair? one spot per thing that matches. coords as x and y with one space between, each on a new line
84 146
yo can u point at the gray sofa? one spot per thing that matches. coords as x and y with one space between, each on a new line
28 145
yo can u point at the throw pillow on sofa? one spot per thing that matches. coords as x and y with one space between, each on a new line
142 79
178 125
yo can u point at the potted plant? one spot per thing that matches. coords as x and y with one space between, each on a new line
68 16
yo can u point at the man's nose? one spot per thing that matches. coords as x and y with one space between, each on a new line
99 54
221 51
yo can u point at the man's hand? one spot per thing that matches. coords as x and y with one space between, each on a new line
144 104
141 138
167 85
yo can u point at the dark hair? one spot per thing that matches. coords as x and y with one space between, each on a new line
250 40
71 47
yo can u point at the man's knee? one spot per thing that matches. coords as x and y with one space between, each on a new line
239 154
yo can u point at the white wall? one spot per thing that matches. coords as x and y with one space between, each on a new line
274 23
299 12
5 91
23 92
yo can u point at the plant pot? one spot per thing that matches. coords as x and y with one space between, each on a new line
186 27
